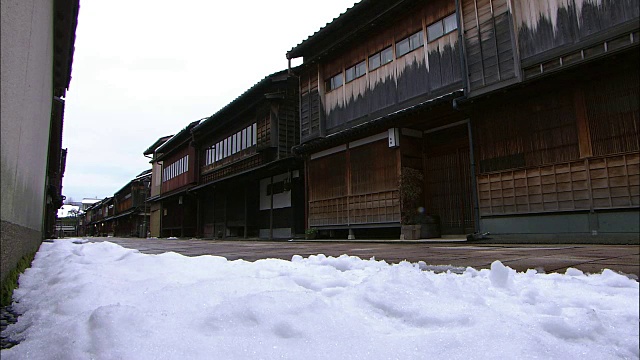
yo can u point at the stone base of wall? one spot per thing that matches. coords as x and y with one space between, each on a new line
16 241
601 227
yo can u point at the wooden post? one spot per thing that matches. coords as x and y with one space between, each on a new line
198 216
474 183
181 206
348 181
271 212
307 189
245 211
584 135
224 227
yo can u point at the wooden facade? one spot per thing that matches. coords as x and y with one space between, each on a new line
563 149
178 172
125 214
430 70
359 184
155 187
98 218
517 110
250 185
131 211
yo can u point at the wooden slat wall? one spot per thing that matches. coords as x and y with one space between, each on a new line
612 110
555 176
184 178
429 71
357 186
532 131
373 168
239 166
544 25
288 124
264 131
328 190
594 183
488 38
448 179
309 104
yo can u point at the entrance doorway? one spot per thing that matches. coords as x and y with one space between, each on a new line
448 179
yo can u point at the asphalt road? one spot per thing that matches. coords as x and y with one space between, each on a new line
546 258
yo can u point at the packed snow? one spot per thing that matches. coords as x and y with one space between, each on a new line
84 300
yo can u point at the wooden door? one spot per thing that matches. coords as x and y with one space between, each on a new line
448 189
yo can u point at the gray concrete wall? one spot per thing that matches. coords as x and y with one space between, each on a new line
614 227
26 74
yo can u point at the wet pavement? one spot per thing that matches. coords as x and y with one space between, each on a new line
544 258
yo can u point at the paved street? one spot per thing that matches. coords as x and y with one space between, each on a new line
547 258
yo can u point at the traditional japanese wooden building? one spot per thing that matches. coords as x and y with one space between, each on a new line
178 174
516 118
98 218
250 184
131 212
155 187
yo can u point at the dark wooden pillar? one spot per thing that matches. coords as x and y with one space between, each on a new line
246 218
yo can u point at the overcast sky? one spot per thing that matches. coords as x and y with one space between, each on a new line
143 69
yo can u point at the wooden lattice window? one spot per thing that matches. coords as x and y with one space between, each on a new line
612 111
373 168
264 131
327 177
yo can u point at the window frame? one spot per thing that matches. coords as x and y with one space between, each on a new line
441 23
330 84
380 58
354 69
413 41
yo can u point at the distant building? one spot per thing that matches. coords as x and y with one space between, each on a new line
250 184
131 215
178 174
87 202
156 186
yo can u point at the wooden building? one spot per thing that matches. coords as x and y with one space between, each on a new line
98 218
178 174
155 187
249 183
131 212
516 118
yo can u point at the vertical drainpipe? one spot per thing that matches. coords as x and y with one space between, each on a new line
463 60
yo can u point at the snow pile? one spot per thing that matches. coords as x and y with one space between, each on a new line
102 301
68 210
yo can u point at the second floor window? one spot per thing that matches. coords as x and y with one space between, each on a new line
381 58
356 71
178 167
334 83
442 27
231 145
409 44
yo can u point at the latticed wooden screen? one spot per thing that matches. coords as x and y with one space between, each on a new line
598 183
356 186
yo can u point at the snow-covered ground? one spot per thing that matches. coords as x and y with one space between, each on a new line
102 301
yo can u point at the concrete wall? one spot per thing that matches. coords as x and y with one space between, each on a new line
613 227
27 90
